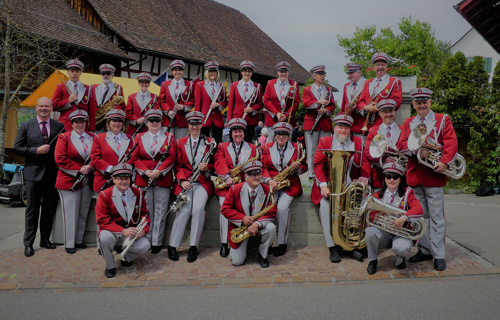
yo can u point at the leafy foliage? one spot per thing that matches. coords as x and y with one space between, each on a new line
413 51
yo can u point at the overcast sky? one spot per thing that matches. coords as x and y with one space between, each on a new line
308 30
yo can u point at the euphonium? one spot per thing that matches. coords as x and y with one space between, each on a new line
241 233
110 105
234 173
348 222
380 149
281 178
385 216
419 140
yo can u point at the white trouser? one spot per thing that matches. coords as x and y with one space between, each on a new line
108 240
224 223
283 215
239 254
326 223
157 199
75 208
312 141
194 209
432 201
377 239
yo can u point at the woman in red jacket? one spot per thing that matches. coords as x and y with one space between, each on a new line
245 100
72 155
395 193
210 99
139 103
152 147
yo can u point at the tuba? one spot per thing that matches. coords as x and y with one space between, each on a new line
419 140
380 149
348 221
385 216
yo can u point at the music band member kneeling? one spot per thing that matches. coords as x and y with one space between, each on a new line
395 193
244 202
118 212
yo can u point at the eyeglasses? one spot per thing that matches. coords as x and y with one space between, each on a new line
247 70
282 134
392 176
254 173
282 71
194 123
154 120
106 73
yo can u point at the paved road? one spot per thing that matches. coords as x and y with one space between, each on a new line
471 299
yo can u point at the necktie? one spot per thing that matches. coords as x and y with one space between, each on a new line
246 90
76 89
422 120
353 90
319 92
45 133
252 200
194 145
388 132
118 145
84 145
104 95
124 201
176 91
153 145
342 145
213 89
143 97
376 86
282 92
392 198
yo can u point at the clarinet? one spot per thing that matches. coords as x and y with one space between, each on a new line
150 181
123 160
142 124
183 197
319 115
80 177
215 98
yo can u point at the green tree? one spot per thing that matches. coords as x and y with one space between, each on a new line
414 50
461 90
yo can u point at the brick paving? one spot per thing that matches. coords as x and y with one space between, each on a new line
302 265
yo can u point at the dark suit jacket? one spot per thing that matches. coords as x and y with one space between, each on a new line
28 139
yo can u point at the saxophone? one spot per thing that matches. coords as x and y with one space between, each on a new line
234 173
241 233
110 105
281 178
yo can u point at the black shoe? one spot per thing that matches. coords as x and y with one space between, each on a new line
156 249
439 264
192 254
334 254
99 252
172 254
280 250
70 250
224 250
420 256
118 249
357 255
264 262
28 251
110 273
372 267
47 244
80 246
401 262
126 264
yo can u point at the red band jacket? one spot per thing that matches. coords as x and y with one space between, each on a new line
238 101
136 108
203 98
96 100
310 97
168 100
274 104
61 103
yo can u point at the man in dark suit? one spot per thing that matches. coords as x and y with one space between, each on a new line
35 141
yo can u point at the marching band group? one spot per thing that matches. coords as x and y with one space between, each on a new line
172 144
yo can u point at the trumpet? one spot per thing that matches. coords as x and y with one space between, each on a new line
380 149
419 141
370 117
